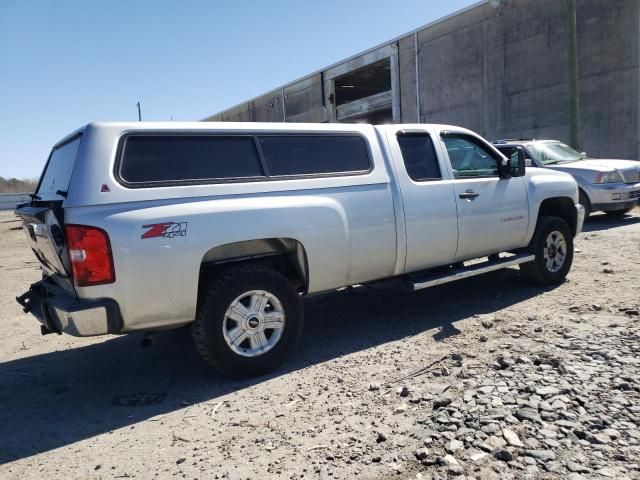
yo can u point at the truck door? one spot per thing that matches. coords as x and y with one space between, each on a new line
492 211
428 199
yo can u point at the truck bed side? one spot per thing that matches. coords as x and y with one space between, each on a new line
345 226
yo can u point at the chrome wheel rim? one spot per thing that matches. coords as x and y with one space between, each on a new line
254 323
555 251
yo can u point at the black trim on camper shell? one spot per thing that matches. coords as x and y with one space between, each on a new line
57 146
212 181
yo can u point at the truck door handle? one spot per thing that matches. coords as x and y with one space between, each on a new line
469 194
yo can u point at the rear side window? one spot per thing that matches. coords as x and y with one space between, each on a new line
182 158
314 154
57 174
419 156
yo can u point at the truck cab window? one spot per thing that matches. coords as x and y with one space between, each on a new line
419 157
469 159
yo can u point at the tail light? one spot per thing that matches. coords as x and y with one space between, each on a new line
90 254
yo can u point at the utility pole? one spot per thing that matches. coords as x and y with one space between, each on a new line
574 89
139 112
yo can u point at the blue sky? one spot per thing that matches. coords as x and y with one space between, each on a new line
65 63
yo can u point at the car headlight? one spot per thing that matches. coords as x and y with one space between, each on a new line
608 177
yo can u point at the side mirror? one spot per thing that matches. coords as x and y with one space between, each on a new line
514 165
518 163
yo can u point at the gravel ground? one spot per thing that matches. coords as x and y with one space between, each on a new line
485 378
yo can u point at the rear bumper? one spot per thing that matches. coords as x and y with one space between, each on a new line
60 311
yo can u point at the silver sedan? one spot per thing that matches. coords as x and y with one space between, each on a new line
608 185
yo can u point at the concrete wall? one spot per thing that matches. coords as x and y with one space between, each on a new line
501 72
304 100
608 61
266 108
9 201
408 99
504 72
303 103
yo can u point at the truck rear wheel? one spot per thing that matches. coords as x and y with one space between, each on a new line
552 244
249 320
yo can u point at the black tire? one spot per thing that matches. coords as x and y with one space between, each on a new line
584 201
619 213
538 271
207 329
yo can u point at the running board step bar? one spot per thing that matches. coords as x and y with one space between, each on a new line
432 279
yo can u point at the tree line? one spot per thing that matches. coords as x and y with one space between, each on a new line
14 185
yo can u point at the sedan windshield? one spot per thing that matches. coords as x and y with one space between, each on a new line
549 153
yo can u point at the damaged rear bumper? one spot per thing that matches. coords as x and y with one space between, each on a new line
59 311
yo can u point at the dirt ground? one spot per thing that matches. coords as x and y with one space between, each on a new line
484 378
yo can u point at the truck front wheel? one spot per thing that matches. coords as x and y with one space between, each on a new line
249 320
552 244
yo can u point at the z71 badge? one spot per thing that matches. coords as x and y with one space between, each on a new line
166 230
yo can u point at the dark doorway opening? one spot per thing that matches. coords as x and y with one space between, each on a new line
364 82
365 95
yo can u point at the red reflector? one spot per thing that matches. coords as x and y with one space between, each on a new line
90 254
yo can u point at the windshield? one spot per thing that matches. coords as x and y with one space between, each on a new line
549 153
57 173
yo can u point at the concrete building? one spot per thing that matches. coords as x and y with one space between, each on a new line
504 68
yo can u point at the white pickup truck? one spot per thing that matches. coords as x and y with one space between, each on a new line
225 226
